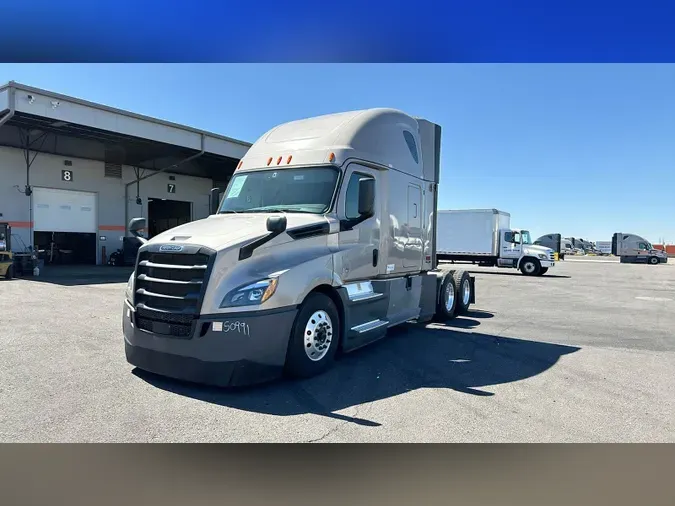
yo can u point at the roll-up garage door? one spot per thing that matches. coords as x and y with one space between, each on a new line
64 211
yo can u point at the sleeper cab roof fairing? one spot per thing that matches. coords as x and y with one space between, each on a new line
376 135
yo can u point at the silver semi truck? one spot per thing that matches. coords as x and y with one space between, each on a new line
631 248
323 239
557 243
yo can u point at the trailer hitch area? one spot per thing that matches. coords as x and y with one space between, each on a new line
472 280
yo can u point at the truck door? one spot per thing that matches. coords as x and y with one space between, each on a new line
359 255
414 249
510 246
642 251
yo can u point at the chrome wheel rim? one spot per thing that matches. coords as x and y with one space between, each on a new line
449 297
529 267
466 292
318 335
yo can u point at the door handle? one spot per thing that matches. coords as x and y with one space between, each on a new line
415 211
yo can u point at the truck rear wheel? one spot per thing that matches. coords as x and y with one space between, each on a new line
314 338
447 300
530 266
463 291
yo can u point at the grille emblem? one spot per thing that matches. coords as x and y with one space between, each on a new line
170 247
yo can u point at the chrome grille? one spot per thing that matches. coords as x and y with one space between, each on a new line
169 288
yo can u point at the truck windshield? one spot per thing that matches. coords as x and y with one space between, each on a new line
305 190
526 237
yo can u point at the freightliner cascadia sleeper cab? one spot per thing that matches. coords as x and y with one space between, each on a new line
324 238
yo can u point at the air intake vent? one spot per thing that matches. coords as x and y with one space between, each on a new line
113 170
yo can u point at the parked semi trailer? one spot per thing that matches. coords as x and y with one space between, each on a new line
324 238
631 248
485 237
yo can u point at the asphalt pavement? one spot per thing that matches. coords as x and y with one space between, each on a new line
583 354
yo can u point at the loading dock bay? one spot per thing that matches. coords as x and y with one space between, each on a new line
72 173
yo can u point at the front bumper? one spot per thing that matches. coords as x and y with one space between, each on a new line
547 263
236 349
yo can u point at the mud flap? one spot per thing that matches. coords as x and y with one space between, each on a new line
472 280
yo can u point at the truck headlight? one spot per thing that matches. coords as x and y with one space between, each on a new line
129 291
253 294
543 257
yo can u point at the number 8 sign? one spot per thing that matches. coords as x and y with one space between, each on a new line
67 175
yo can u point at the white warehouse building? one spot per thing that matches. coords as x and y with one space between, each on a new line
72 173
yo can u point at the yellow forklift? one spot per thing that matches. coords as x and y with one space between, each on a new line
6 257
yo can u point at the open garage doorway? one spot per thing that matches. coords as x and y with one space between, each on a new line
65 226
164 214
66 248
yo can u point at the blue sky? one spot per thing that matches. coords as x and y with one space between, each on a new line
584 150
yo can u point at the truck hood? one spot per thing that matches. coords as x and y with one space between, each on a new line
536 249
221 231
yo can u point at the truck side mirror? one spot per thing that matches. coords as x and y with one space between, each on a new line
136 225
214 200
276 224
366 197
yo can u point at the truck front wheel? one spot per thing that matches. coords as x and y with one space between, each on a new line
314 338
530 267
653 261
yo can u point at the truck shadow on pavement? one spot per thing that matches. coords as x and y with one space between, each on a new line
411 357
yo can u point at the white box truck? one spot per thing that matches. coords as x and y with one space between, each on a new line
324 238
604 247
485 237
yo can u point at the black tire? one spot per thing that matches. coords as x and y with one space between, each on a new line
653 261
298 363
462 282
561 257
530 266
10 272
444 311
543 271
